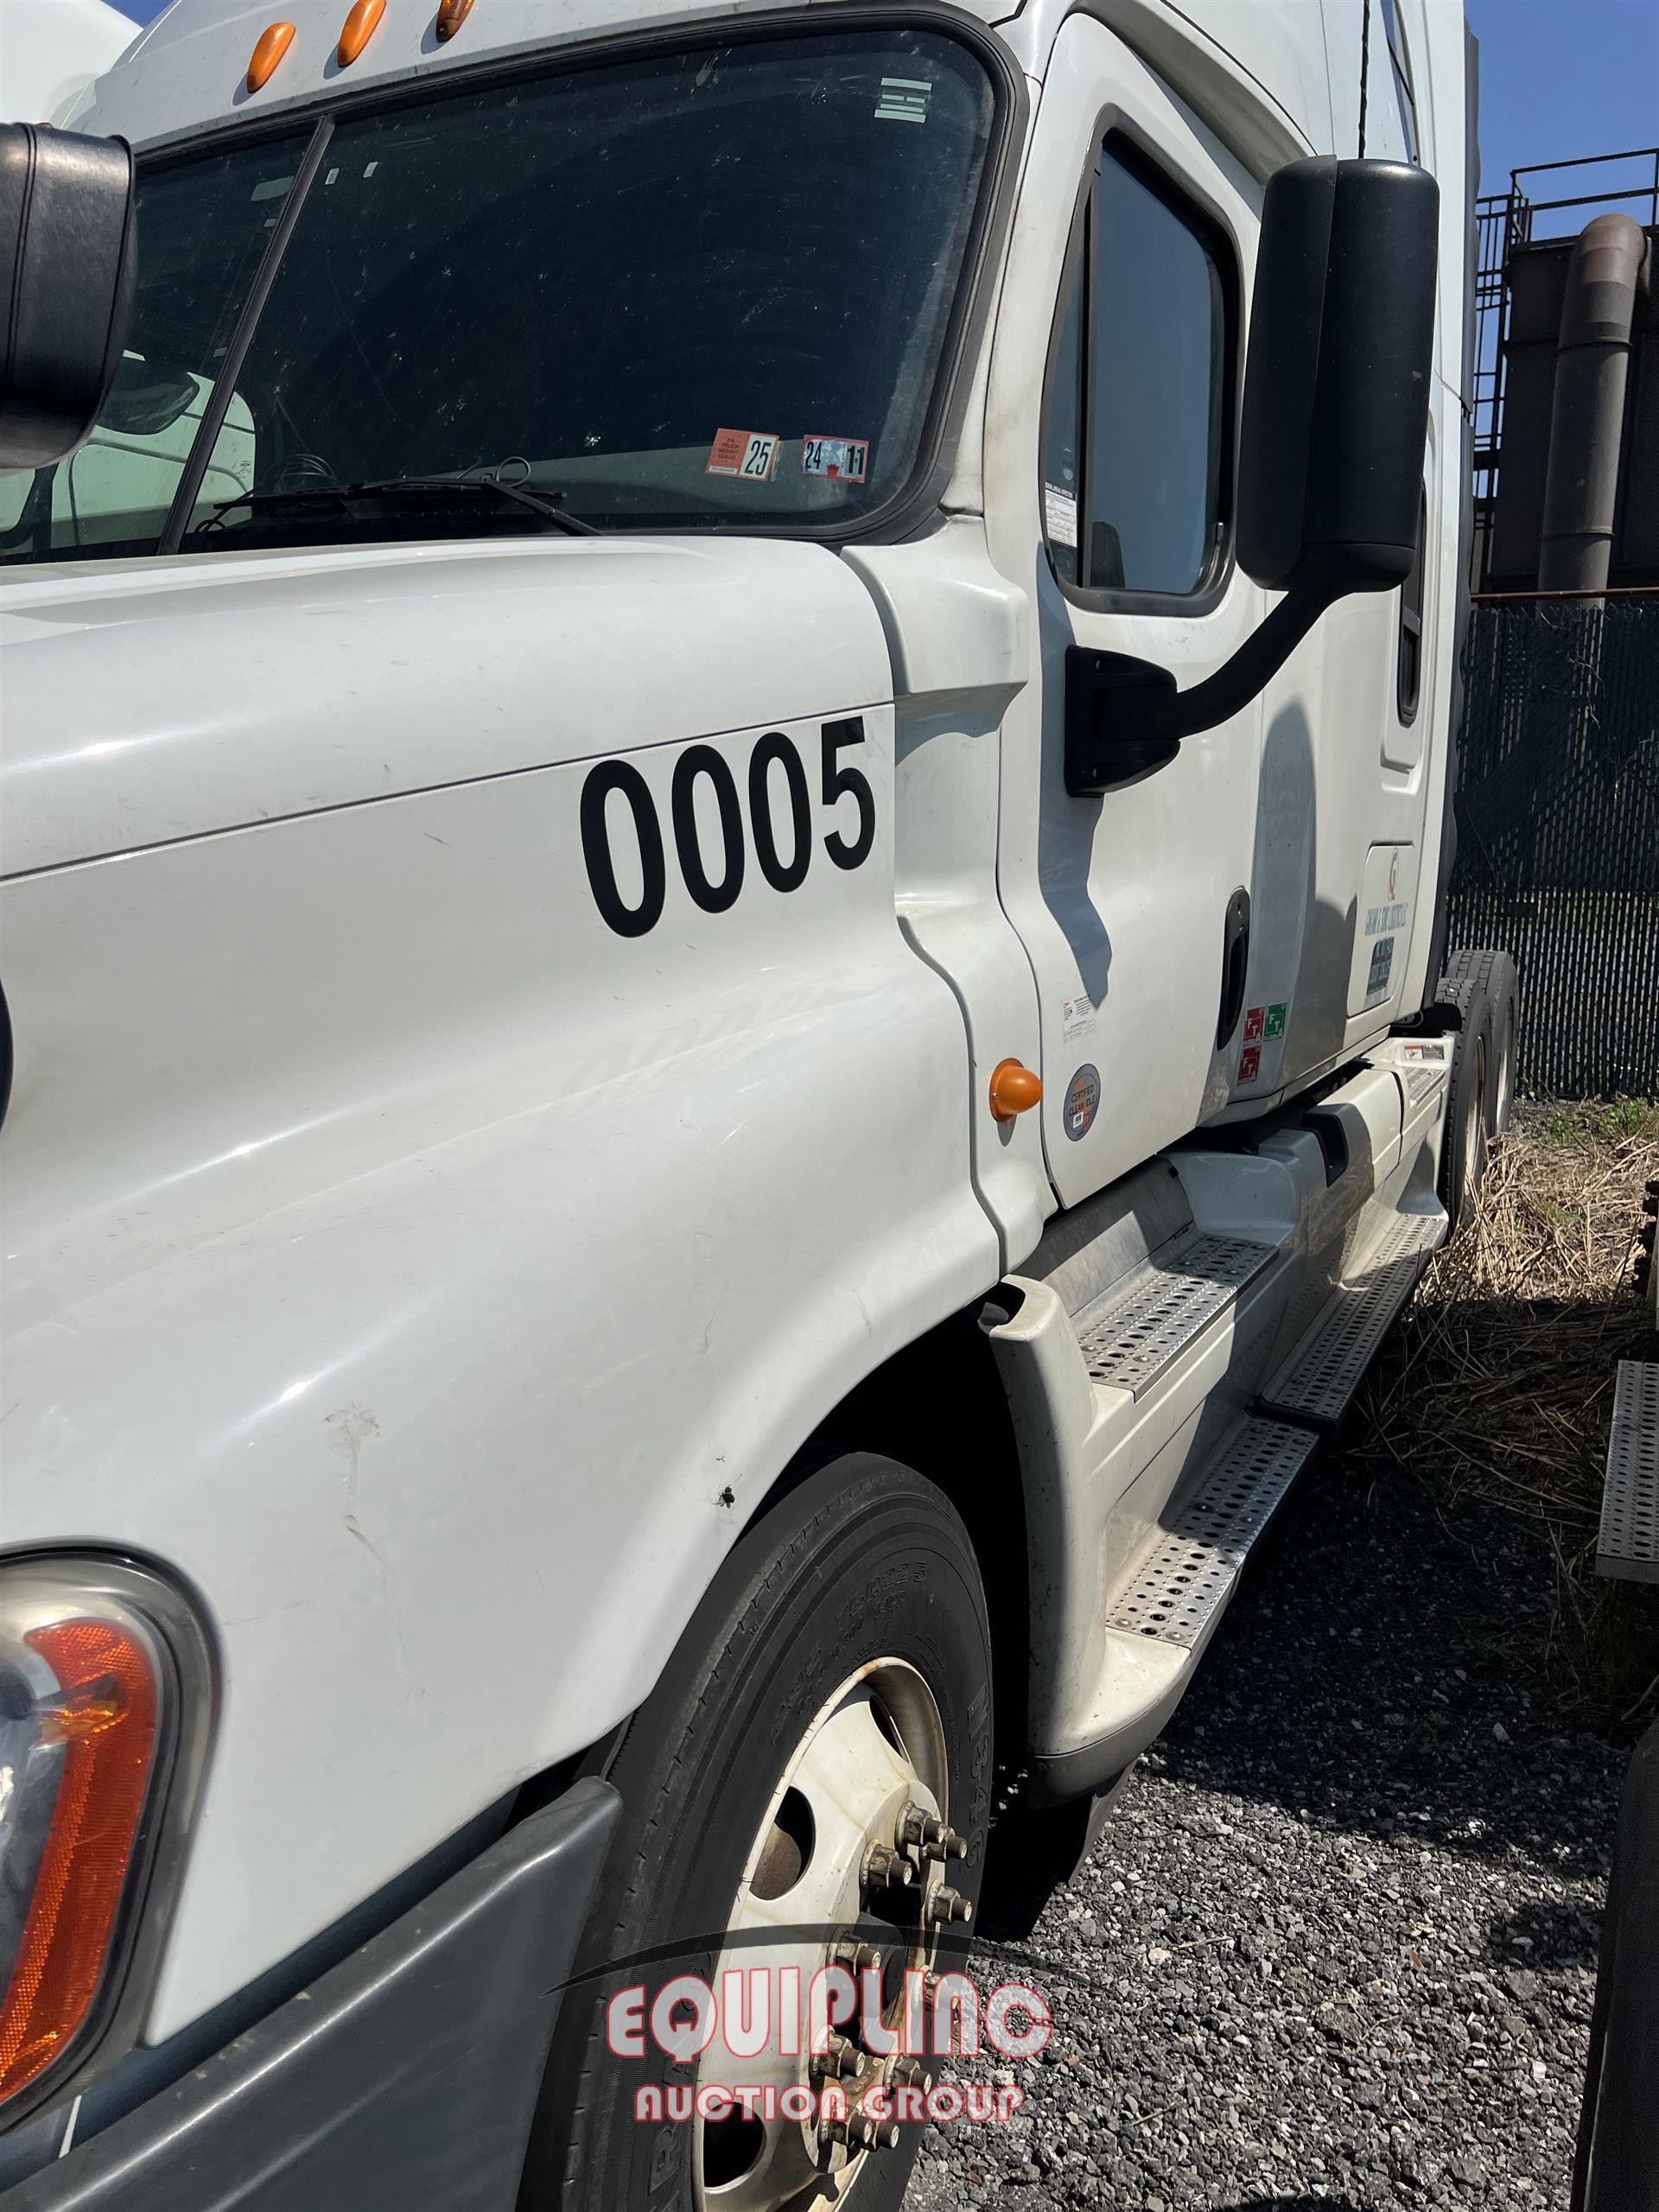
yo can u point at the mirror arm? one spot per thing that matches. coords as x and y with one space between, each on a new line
1124 716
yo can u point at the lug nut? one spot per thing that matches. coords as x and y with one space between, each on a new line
857 1958
860 2132
839 2057
926 1832
885 1868
945 1905
907 2074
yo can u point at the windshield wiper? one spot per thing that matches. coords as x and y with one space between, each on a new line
417 489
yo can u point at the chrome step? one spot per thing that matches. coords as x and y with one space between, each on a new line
1322 1374
1187 1571
1127 1344
1628 1546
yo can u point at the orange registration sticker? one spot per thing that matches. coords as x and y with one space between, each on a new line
751 453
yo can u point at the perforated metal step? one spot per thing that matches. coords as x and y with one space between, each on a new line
1324 1371
1131 1342
1628 1546
1187 1571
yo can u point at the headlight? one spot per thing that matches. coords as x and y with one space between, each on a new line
104 1696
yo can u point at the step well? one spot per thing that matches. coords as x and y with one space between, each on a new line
1188 1570
1628 1546
1324 1371
1127 1341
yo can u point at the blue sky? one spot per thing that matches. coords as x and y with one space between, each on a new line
1559 79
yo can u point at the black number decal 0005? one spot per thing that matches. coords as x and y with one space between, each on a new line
838 780
622 777
703 760
775 747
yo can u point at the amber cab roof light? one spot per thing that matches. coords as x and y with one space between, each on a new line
272 45
359 27
452 14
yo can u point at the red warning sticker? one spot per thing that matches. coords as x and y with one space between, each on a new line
846 459
1253 1021
1249 1064
751 453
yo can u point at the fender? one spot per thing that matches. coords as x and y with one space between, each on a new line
432 1271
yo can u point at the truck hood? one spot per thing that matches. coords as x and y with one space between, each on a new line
159 701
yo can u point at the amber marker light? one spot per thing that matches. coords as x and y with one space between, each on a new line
273 43
97 1727
451 16
1015 1089
359 27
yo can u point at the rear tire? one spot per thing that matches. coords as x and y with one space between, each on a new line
1462 1151
1493 974
1504 995
857 1595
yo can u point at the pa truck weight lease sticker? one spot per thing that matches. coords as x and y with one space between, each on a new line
749 454
715 882
845 459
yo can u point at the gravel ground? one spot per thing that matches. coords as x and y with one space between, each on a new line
1338 1944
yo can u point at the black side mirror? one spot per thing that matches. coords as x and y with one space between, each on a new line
65 286
1330 446
1337 385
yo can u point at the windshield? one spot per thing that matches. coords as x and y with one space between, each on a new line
702 288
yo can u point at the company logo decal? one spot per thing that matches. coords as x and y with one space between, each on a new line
1082 1101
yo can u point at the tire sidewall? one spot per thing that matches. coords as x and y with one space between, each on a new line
1503 998
1468 1123
865 1560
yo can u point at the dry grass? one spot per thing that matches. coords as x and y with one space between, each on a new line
1497 1387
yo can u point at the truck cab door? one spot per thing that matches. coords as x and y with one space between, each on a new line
1114 387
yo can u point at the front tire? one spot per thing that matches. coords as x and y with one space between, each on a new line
835 1679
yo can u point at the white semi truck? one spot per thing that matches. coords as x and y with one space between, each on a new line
727 746
52 51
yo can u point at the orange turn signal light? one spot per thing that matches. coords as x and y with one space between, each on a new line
105 1718
1015 1089
451 16
274 42
359 27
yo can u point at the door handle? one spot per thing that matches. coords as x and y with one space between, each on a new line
1235 965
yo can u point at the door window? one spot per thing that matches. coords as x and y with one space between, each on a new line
1137 429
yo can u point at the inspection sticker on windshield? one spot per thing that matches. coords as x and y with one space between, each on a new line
753 454
845 459
1060 515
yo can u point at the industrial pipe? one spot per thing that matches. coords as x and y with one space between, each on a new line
1592 357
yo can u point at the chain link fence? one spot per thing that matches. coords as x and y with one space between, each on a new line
1558 832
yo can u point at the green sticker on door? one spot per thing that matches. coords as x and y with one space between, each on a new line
1276 1022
